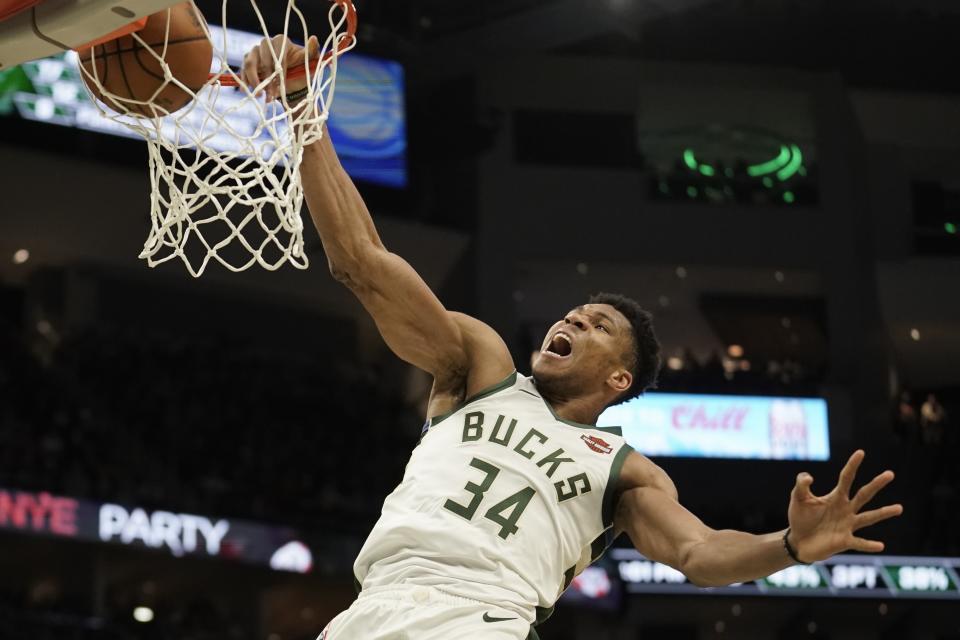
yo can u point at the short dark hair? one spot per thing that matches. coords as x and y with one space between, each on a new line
646 361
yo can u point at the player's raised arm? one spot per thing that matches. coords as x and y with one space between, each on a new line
411 319
820 526
462 353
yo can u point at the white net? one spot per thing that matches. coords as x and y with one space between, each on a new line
224 170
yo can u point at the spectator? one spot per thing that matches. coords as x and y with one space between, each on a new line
906 416
932 418
200 424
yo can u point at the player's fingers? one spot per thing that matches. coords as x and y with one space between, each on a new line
249 72
874 516
869 490
266 49
301 55
295 55
801 490
867 546
267 64
849 472
313 47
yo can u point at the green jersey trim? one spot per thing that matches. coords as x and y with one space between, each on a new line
568 577
610 492
597 549
617 431
542 614
599 546
500 386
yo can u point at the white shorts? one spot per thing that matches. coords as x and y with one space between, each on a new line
423 613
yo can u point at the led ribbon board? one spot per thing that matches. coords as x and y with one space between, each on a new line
843 576
177 534
717 426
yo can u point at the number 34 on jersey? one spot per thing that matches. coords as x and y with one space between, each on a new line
507 511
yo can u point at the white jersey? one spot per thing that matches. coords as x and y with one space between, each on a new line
501 502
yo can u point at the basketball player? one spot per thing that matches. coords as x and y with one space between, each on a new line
513 490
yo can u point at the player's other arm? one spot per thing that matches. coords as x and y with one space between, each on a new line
821 526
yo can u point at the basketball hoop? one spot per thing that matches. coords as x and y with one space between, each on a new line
224 170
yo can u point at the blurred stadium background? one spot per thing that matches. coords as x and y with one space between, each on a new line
778 182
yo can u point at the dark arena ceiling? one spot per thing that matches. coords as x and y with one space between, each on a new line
875 43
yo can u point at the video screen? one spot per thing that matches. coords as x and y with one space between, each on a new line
367 121
720 426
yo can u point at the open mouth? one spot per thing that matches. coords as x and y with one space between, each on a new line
561 346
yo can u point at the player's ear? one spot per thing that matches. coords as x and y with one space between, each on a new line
620 380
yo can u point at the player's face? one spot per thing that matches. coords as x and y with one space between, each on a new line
581 351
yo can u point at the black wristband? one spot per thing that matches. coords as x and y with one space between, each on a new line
790 550
298 95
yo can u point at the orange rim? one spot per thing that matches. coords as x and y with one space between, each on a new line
138 25
346 42
10 8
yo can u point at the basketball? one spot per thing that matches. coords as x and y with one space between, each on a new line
133 76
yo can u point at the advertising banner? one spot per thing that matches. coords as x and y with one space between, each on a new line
715 426
178 534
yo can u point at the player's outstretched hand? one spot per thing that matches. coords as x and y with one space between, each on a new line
261 61
821 526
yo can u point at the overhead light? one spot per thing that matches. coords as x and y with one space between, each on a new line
778 276
664 301
583 268
915 334
20 256
674 363
681 272
143 614
735 351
